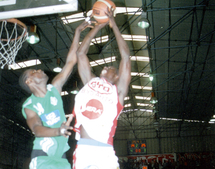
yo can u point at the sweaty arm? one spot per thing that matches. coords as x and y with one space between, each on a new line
83 61
71 59
125 63
36 126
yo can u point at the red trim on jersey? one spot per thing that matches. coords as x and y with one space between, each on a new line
74 128
113 128
74 158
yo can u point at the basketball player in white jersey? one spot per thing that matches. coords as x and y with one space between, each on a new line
99 104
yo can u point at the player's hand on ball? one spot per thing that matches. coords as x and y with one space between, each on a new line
110 14
86 24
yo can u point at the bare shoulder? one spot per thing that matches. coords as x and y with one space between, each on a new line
30 113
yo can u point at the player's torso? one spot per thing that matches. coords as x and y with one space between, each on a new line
49 108
97 108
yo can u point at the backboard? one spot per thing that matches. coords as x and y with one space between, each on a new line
26 8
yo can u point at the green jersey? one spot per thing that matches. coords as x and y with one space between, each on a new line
51 112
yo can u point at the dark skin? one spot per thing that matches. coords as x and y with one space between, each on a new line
37 81
122 79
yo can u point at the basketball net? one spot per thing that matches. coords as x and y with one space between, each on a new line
12 35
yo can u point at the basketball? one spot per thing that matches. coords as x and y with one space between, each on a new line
99 9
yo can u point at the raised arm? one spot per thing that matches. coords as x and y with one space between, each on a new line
125 63
71 59
83 61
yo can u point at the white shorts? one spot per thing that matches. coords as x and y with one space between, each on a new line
90 154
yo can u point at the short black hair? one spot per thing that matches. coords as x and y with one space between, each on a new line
22 81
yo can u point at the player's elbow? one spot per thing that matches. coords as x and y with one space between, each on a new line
126 62
37 131
126 53
36 134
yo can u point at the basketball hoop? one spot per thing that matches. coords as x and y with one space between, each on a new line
12 35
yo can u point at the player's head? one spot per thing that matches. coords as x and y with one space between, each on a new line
110 73
31 75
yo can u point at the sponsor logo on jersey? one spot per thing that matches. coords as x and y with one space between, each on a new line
101 87
39 108
51 118
93 109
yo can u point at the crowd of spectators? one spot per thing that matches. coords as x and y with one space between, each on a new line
143 164
185 163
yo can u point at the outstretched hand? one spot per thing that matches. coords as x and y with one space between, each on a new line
100 25
65 126
110 15
84 25
95 24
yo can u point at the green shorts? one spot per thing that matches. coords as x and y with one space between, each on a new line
42 162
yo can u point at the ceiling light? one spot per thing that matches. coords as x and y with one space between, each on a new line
139 58
141 87
103 61
145 110
127 10
153 98
144 104
58 68
143 22
76 90
25 64
127 105
98 40
139 74
101 39
33 37
139 38
63 93
151 77
73 18
142 98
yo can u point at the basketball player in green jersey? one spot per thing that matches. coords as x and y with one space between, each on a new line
45 115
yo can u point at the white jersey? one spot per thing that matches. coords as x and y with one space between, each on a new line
97 109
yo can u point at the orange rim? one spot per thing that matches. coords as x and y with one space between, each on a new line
20 24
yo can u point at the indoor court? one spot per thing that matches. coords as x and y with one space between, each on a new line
172 114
